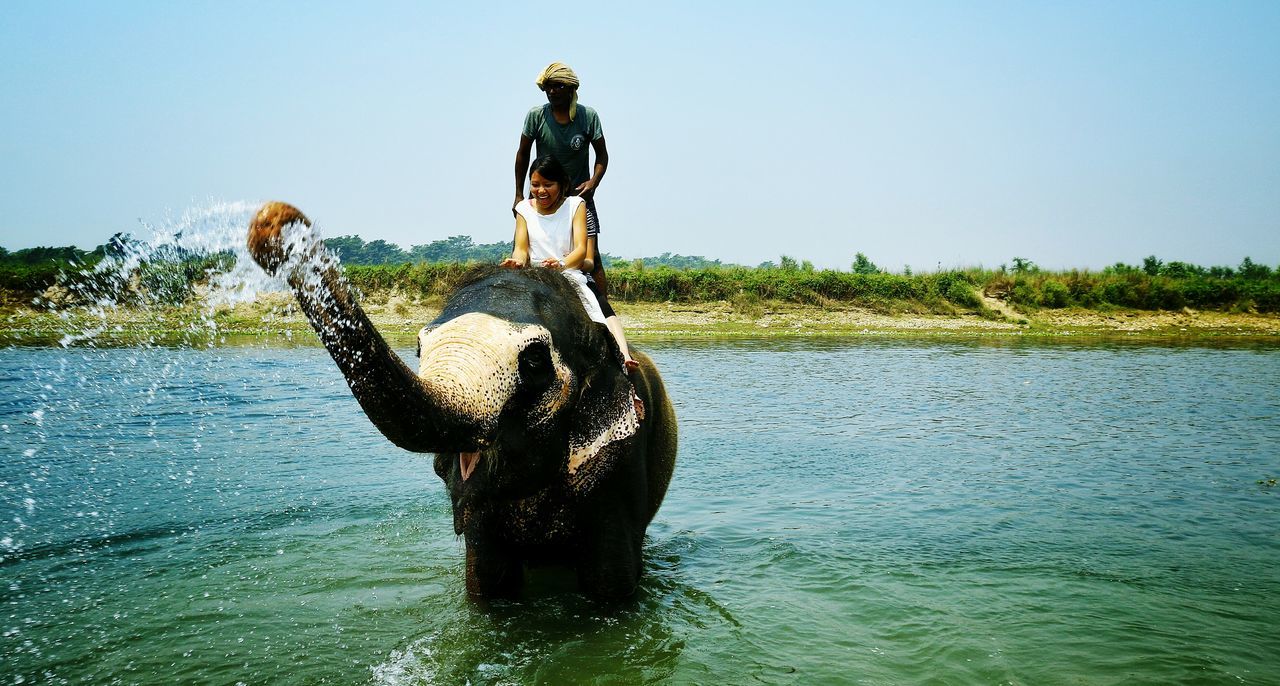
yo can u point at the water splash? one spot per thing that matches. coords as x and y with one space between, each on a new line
127 444
166 287
160 295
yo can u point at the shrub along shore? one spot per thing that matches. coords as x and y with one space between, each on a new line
790 299
1253 288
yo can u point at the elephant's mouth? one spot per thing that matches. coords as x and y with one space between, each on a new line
467 464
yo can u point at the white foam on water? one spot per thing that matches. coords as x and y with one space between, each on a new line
411 666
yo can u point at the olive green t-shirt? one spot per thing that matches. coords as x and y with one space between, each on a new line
568 143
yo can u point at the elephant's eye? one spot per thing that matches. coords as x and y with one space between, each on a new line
535 364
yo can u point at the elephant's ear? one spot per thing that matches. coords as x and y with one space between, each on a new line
604 415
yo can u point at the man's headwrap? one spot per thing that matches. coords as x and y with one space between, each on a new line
558 71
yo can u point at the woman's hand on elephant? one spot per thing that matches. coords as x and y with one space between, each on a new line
552 263
511 263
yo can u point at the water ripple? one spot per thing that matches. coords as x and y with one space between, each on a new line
875 512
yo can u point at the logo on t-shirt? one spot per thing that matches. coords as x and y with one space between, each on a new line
577 141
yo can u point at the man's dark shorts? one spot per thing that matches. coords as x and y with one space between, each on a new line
593 220
593 229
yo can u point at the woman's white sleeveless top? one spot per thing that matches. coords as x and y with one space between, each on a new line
551 235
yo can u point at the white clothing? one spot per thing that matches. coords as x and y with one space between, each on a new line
551 235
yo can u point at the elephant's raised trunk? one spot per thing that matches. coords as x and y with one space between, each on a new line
395 399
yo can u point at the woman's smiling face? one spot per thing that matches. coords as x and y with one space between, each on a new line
546 193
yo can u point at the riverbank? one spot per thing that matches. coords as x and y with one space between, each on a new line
397 316
784 319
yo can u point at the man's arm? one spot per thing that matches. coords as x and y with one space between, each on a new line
522 168
588 187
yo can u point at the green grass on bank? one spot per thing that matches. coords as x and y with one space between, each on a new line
1026 288
742 285
1155 285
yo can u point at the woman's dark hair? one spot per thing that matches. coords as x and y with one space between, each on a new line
551 170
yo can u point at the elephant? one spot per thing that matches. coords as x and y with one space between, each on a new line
547 456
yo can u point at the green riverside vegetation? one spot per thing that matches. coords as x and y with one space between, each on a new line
1249 288
429 271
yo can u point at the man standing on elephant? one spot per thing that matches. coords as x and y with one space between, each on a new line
563 129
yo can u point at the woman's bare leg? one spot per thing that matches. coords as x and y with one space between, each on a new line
615 327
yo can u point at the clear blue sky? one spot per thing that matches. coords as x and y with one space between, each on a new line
1074 134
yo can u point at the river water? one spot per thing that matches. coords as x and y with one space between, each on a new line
863 512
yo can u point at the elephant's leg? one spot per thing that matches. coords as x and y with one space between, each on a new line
492 572
612 523
610 563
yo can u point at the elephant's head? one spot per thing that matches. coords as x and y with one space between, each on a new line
514 357
516 388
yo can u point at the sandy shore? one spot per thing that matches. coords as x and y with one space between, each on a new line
769 320
786 319
397 316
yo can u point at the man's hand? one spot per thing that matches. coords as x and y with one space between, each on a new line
586 189
515 202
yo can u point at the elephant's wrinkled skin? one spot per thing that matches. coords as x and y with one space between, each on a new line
525 403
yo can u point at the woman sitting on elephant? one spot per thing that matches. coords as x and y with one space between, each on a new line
551 231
